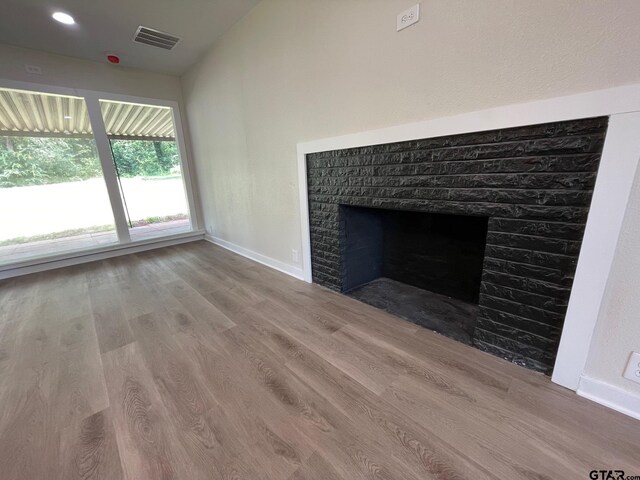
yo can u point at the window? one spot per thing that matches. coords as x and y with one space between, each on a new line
80 173
147 163
53 197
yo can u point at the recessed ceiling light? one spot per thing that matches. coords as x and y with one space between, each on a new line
63 18
67 117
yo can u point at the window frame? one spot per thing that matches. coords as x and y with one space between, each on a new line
92 101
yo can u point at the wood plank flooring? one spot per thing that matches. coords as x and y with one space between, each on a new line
191 362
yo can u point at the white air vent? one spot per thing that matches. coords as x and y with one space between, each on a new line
155 38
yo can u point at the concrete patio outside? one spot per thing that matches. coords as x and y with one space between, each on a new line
42 210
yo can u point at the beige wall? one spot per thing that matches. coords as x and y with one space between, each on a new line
70 72
617 332
299 70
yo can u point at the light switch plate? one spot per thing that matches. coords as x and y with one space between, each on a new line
408 17
632 372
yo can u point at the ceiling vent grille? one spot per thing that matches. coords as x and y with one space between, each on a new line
155 38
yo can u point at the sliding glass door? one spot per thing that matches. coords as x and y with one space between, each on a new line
80 173
147 163
53 197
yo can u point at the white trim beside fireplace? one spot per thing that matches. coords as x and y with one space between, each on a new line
611 194
608 205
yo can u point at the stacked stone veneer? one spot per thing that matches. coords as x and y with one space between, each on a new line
535 185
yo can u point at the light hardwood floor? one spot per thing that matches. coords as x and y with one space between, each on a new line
193 363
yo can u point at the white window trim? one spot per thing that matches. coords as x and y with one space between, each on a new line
99 130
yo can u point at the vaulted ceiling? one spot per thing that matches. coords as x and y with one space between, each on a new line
108 26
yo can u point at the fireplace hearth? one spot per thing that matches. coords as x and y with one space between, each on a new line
446 315
423 267
476 236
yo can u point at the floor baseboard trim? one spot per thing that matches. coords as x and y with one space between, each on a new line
75 258
610 396
257 257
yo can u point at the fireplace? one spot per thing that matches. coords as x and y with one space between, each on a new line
482 229
421 266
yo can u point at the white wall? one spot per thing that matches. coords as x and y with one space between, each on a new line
70 72
299 70
617 332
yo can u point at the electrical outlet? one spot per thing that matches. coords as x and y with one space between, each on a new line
632 372
408 17
294 255
33 69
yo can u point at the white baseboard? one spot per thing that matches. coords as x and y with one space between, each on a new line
264 260
610 396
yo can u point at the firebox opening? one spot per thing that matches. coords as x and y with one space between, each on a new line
421 266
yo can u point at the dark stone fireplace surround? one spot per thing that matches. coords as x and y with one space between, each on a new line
535 185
